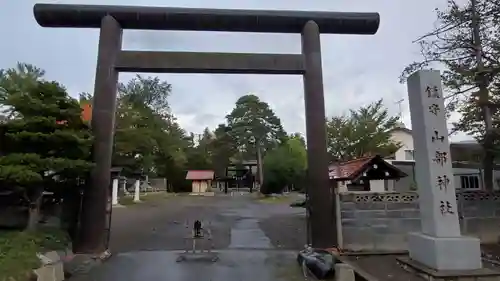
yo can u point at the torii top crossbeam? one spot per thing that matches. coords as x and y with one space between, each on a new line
166 18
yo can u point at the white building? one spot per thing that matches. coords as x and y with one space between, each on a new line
467 176
403 136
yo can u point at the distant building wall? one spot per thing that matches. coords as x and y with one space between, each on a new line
405 138
466 176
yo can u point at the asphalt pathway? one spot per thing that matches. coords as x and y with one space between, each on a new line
253 240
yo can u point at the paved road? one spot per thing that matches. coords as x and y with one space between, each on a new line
254 240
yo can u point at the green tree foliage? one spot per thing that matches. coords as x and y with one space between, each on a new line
200 152
148 137
298 136
205 143
364 131
252 117
140 123
223 148
45 143
148 91
135 137
171 161
285 166
18 79
471 65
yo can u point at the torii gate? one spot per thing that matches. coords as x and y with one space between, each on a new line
111 60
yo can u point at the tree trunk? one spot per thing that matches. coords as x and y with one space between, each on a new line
488 163
259 165
34 213
482 84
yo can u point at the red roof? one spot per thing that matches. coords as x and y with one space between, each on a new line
347 169
351 170
200 175
86 113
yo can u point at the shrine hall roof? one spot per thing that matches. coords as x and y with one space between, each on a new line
200 175
353 169
346 169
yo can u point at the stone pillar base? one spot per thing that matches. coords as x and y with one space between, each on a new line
450 253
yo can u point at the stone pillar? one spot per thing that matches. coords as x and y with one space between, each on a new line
137 190
114 192
124 186
93 232
322 223
440 245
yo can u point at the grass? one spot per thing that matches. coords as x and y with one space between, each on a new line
127 200
149 197
18 251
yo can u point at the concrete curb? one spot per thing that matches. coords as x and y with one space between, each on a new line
344 272
60 265
357 270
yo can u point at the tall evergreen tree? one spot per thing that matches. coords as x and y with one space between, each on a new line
254 119
45 144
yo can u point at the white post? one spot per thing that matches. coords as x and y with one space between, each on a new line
137 190
440 245
114 194
124 186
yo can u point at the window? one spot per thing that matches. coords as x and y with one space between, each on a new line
469 182
409 154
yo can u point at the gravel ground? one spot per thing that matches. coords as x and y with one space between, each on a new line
491 252
161 225
382 267
286 231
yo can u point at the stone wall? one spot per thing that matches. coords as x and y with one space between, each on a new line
381 221
404 184
158 184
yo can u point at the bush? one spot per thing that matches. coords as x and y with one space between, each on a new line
18 250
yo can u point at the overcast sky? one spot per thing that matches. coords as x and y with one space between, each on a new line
357 69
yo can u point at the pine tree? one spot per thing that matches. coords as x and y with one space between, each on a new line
45 145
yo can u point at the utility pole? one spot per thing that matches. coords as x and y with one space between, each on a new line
482 83
400 107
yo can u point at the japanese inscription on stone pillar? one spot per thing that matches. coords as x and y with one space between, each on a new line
441 148
434 175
